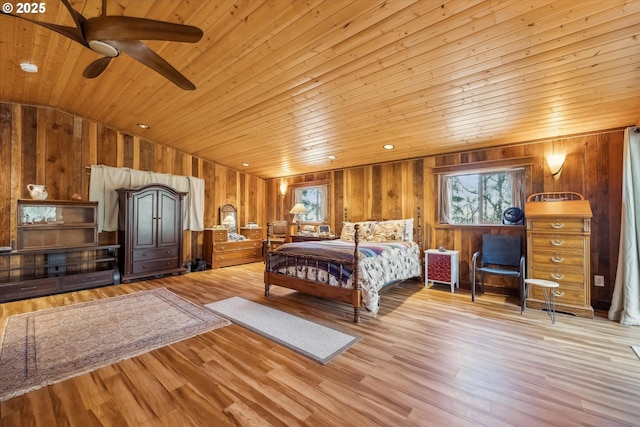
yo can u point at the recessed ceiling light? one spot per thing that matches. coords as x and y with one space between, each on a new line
388 147
143 126
331 157
29 68
245 164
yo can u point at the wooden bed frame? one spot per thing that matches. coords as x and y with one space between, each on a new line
351 296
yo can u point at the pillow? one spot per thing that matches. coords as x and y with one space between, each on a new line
366 230
404 229
388 231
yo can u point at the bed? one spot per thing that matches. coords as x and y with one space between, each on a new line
368 256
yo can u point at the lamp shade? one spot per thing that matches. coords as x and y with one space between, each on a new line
556 162
298 209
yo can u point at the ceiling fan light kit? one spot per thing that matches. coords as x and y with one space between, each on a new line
103 48
110 35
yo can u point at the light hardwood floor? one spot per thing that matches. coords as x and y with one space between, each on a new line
430 358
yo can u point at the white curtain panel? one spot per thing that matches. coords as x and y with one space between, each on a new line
625 303
105 180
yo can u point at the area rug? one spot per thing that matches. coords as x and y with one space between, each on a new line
48 346
636 350
311 339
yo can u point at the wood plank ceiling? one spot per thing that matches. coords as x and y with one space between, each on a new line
282 85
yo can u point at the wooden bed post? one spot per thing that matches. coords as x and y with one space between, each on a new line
357 298
420 242
420 237
267 260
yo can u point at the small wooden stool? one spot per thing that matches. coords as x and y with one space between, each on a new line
548 287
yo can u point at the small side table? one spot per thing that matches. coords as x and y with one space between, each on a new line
441 267
549 292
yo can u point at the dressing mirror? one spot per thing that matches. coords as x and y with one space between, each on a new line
229 218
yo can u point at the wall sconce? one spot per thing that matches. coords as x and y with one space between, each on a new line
283 189
556 162
296 211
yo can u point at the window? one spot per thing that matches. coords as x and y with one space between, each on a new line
480 198
315 200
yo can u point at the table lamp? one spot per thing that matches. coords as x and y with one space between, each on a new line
296 211
229 221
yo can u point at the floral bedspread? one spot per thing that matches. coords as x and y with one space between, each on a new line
380 264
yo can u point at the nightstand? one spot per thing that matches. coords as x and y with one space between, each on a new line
441 267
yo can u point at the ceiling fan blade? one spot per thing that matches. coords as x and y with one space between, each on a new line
140 52
77 17
96 68
130 28
74 34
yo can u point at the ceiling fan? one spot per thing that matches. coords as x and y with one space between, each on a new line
112 35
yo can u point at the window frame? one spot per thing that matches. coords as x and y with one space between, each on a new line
518 193
299 187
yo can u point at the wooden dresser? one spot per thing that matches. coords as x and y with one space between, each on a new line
220 252
558 249
254 233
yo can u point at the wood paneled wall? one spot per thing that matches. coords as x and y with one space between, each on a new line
41 145
45 146
593 167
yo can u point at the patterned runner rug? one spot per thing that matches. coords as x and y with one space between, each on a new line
48 346
315 341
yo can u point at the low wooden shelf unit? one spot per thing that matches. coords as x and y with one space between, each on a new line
57 251
35 272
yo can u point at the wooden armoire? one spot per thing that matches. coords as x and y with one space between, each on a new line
150 231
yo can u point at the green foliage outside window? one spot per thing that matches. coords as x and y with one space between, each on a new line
311 198
480 198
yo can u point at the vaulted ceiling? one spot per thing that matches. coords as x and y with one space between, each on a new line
282 85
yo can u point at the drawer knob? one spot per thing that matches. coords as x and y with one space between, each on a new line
557 259
557 276
557 242
557 225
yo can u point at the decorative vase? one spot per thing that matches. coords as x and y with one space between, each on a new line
38 192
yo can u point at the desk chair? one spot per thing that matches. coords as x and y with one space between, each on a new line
277 234
501 255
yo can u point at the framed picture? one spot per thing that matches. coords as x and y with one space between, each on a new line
324 229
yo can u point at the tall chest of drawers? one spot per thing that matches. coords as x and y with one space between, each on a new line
558 249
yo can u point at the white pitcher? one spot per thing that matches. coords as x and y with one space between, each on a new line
38 192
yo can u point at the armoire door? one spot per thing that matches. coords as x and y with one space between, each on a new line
169 219
143 214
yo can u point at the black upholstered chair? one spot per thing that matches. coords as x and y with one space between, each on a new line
500 255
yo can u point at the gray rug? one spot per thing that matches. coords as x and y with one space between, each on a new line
311 339
47 346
